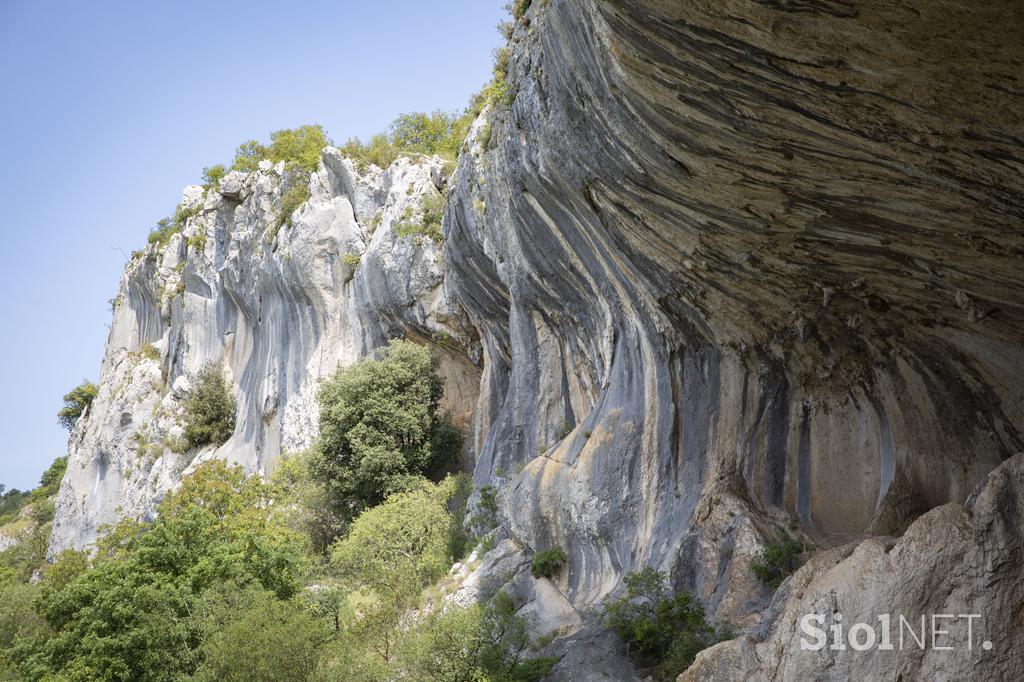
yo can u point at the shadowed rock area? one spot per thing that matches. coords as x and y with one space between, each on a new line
762 259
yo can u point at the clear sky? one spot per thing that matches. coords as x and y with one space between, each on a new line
108 109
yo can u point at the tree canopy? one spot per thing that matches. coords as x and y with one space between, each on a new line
380 431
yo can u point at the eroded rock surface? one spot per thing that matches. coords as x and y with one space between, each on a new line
961 562
766 252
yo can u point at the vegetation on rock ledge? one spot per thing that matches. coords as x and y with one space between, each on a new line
547 563
779 559
662 632
76 402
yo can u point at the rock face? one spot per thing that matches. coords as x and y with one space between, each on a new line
719 270
738 267
277 308
958 561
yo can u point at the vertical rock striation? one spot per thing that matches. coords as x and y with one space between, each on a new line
741 266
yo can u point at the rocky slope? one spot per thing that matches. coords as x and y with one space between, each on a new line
724 269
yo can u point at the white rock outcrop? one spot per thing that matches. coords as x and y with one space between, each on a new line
277 307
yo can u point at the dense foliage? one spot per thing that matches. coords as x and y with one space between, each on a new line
209 409
380 431
778 559
475 643
662 632
11 503
27 516
252 636
139 609
237 579
76 402
222 586
298 148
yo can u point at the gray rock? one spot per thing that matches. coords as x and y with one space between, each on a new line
960 560
277 309
719 271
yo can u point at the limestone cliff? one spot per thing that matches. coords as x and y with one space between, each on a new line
278 306
764 261
723 268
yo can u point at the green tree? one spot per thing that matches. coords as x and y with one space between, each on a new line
213 175
248 156
379 428
435 133
441 133
255 637
661 631
164 230
392 551
136 612
17 617
305 507
76 402
209 409
476 643
299 148
54 474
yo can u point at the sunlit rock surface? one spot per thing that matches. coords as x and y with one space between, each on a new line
727 269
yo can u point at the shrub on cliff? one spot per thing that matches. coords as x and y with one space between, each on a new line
662 632
779 558
209 409
428 224
380 431
299 148
518 8
438 132
213 175
291 199
76 402
547 563
168 227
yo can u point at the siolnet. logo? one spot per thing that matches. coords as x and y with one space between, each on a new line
937 631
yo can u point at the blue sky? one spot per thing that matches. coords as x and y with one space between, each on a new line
108 109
